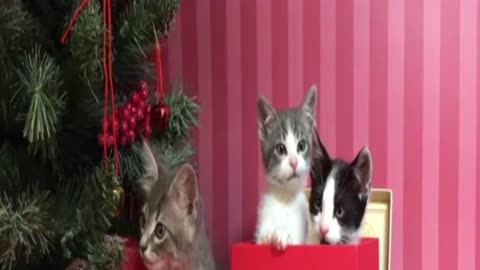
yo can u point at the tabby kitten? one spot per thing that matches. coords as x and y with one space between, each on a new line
339 196
172 226
285 138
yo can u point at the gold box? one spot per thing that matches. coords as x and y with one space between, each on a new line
378 223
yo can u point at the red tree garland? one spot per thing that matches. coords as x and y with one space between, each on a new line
132 113
107 71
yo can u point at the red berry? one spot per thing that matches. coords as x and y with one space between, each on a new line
109 139
124 127
148 109
125 113
128 106
143 85
131 136
123 140
141 105
140 115
147 131
135 98
132 122
143 92
102 139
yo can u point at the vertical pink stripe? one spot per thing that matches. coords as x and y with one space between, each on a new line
477 179
344 79
175 49
449 98
220 134
249 123
361 70
431 134
280 53
295 52
467 161
190 65
378 92
311 45
205 94
264 65
413 134
327 76
235 158
395 125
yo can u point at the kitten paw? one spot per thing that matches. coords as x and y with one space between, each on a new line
281 240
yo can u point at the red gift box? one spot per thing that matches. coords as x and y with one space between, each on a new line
364 256
132 260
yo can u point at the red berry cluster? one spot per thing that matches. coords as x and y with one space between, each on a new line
132 116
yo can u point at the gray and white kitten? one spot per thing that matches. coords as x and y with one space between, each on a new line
286 146
172 225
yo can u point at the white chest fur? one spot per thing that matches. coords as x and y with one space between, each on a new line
286 220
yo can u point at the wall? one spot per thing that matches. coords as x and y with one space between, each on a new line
398 75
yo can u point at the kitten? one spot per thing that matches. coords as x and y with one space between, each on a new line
340 191
172 226
286 140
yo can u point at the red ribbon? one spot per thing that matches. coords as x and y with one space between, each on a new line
158 64
107 71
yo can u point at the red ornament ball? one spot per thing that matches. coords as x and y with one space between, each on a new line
160 116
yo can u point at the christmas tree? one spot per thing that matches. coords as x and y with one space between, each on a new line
69 152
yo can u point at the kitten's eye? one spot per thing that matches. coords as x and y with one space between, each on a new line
160 231
301 146
339 212
281 149
142 221
318 205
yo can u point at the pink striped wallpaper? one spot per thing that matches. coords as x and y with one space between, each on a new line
398 75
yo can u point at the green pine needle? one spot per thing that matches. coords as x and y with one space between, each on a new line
183 115
25 228
40 91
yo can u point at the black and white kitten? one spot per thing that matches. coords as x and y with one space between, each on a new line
339 196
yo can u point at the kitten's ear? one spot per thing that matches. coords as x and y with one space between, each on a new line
151 169
309 104
265 116
184 188
320 160
362 165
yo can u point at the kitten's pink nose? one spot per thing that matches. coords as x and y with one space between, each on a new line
323 230
293 164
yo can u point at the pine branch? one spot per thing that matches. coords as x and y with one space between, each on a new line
89 223
40 92
137 26
183 115
26 230
107 254
16 34
85 44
